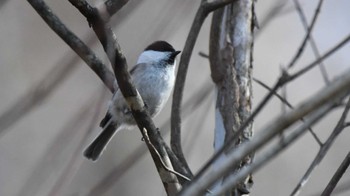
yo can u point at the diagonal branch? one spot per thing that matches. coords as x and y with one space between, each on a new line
323 57
307 36
113 50
283 100
337 176
312 41
74 42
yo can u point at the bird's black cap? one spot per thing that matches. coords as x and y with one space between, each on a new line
161 46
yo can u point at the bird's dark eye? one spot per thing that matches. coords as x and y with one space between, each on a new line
173 56
171 60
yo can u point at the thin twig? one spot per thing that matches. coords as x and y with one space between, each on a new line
312 41
337 176
147 140
284 101
307 36
323 57
323 150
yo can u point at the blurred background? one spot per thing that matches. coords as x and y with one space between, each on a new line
41 152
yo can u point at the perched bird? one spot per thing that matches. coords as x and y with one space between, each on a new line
154 77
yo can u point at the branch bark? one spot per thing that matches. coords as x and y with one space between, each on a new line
202 12
231 40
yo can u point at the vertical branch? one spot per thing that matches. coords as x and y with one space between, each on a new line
231 65
204 9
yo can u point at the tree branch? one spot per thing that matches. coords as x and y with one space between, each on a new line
202 12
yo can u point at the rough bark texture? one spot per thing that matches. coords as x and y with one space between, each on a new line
231 65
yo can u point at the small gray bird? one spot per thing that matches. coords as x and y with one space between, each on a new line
153 76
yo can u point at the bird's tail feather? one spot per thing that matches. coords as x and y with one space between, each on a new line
95 149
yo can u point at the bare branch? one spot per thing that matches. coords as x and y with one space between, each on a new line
284 101
312 41
337 176
323 57
336 91
74 42
307 36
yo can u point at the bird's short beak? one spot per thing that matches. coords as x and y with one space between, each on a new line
174 54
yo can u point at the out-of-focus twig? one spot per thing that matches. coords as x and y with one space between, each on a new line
38 93
75 160
52 157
